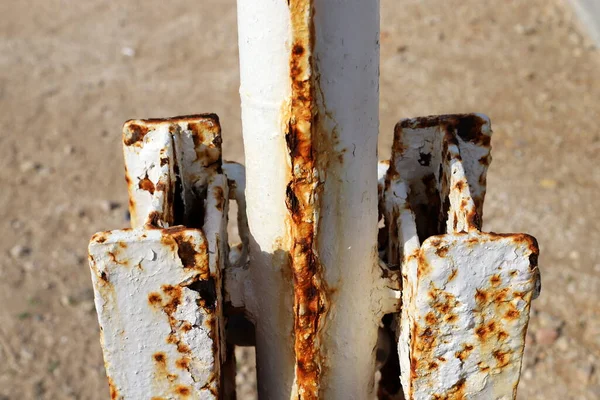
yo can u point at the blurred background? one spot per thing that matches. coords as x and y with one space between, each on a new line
71 72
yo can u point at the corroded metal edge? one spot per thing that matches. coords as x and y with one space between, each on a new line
310 292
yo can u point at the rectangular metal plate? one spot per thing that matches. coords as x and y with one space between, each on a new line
156 299
468 315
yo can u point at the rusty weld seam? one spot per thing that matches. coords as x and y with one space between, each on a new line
310 303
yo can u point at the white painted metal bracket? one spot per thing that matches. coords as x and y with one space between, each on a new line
158 286
466 294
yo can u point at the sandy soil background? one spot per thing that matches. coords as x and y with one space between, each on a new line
72 71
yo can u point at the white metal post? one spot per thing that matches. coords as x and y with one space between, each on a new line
309 89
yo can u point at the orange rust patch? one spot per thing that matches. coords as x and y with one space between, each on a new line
453 275
502 336
186 251
183 363
441 252
495 280
302 136
146 184
100 237
485 330
423 268
186 326
154 299
460 185
220 198
502 358
153 219
183 348
480 296
456 392
134 133
464 353
430 318
160 358
451 318
114 393
183 390
174 294
512 314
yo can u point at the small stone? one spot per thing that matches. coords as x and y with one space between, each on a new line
548 184
585 371
546 336
528 374
128 51
66 301
108 205
525 30
29 166
574 255
562 344
20 251
69 149
16 224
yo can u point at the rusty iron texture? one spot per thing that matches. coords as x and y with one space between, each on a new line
465 294
168 163
158 289
310 292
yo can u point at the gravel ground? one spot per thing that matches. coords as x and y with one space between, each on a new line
72 72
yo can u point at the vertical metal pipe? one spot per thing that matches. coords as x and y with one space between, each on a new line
309 89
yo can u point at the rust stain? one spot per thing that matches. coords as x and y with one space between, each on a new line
303 136
219 197
184 391
464 353
423 268
425 338
442 251
186 251
456 392
154 299
183 363
495 280
134 132
146 184
453 275
100 237
113 258
160 358
502 358
114 393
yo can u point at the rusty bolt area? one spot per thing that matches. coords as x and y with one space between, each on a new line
466 294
